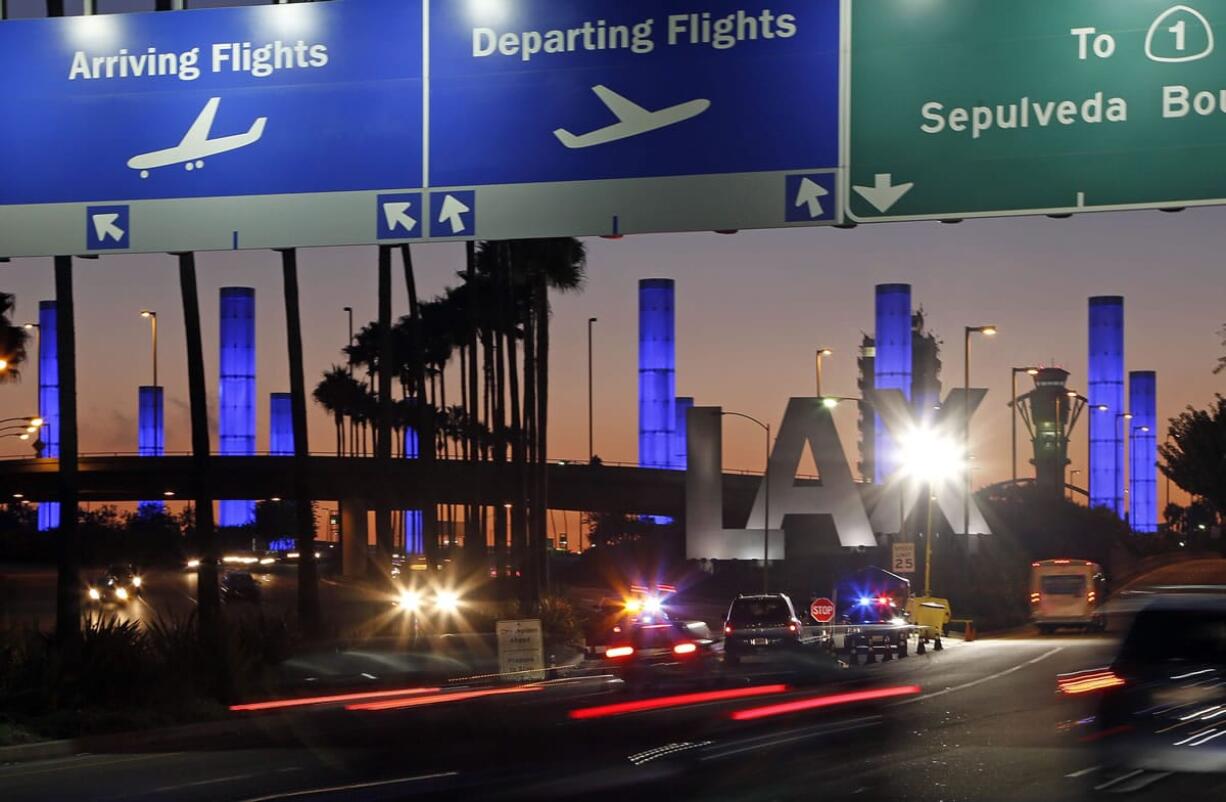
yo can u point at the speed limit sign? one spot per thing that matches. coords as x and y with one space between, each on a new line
904 558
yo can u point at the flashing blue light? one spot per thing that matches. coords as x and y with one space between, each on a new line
866 601
236 394
1106 388
48 401
1143 453
892 365
657 372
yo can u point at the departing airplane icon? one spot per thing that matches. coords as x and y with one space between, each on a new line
634 120
197 146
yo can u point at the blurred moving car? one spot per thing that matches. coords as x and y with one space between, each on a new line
1067 593
240 586
662 652
1163 699
119 585
760 623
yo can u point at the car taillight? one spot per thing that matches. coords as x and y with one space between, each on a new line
685 648
1035 598
727 630
793 628
619 651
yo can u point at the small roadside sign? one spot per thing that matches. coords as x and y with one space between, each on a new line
904 558
521 650
822 610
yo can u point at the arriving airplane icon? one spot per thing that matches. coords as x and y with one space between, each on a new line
197 146
634 119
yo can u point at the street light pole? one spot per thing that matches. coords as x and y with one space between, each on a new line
766 477
928 548
1118 503
987 331
591 432
1032 371
152 317
821 353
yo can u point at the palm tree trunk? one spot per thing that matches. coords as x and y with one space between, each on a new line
527 500
208 597
68 584
541 489
383 435
308 575
474 538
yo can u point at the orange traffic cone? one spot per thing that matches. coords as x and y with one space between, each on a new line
970 631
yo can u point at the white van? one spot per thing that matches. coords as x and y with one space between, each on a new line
1067 593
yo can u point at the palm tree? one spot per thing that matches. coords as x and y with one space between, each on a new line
337 393
12 341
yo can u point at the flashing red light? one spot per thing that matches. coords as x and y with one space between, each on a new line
813 703
280 704
1099 679
685 648
458 696
619 651
682 700
883 600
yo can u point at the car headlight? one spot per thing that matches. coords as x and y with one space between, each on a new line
410 600
121 594
447 601
94 594
136 580
193 563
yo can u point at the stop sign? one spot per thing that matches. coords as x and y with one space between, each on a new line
822 611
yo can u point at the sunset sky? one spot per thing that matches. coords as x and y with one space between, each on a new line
751 309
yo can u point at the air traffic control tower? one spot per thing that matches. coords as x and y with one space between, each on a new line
1050 412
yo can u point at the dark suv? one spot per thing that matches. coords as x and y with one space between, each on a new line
761 623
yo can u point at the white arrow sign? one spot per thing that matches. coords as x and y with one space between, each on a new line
884 193
453 212
104 226
811 193
397 214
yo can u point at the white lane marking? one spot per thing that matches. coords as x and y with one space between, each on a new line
355 787
1142 782
1083 772
78 763
203 782
982 680
790 736
1117 780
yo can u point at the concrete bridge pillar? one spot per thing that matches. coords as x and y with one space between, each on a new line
355 536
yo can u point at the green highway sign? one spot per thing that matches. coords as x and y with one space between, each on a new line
977 108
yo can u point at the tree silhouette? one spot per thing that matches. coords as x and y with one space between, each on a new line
12 341
1195 457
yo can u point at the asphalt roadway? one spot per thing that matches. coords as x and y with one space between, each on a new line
977 721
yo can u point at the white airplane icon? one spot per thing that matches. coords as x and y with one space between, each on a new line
196 145
634 120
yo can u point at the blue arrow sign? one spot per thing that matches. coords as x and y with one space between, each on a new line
537 90
304 98
108 228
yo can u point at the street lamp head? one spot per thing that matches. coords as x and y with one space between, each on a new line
37 422
24 437
988 331
825 352
346 308
1145 429
4 365
1126 415
593 320
148 314
1102 408
1032 371
830 403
